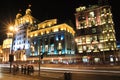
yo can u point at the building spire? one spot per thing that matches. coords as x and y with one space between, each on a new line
19 14
28 11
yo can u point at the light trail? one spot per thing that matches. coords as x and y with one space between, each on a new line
69 69
78 70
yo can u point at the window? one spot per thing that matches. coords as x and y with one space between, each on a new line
94 38
94 30
52 40
46 48
32 48
59 37
91 14
52 47
46 41
59 46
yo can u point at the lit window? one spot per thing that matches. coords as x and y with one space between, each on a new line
62 37
56 38
94 30
59 46
46 48
92 14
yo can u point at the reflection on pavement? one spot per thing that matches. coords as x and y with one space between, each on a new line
14 77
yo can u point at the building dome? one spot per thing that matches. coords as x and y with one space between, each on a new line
28 11
18 16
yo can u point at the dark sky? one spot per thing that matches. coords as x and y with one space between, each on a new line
49 9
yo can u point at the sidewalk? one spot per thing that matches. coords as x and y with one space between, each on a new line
35 76
7 76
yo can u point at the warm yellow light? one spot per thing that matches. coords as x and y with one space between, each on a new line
47 32
62 28
1 51
11 28
55 29
43 26
16 29
36 34
76 40
31 35
49 24
24 57
41 33
14 58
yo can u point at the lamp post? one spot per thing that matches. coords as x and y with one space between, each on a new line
40 58
11 59
11 55
39 65
104 57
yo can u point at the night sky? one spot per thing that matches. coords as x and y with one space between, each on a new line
49 9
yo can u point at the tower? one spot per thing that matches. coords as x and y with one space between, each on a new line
21 45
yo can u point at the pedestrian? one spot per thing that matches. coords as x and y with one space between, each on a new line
17 68
28 69
14 69
32 70
22 69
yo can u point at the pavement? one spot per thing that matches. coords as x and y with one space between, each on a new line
4 76
19 76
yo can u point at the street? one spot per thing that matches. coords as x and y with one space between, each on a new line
59 74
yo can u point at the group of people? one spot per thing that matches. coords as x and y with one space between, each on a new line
15 69
25 69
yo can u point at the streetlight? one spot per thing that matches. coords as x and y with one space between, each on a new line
11 56
39 65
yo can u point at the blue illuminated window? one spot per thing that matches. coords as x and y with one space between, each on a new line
56 38
62 37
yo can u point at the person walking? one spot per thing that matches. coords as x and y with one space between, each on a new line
28 69
32 69
21 69
17 68
14 69
24 69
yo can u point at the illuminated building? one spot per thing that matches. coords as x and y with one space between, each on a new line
96 41
21 44
52 39
48 37
1 54
6 47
